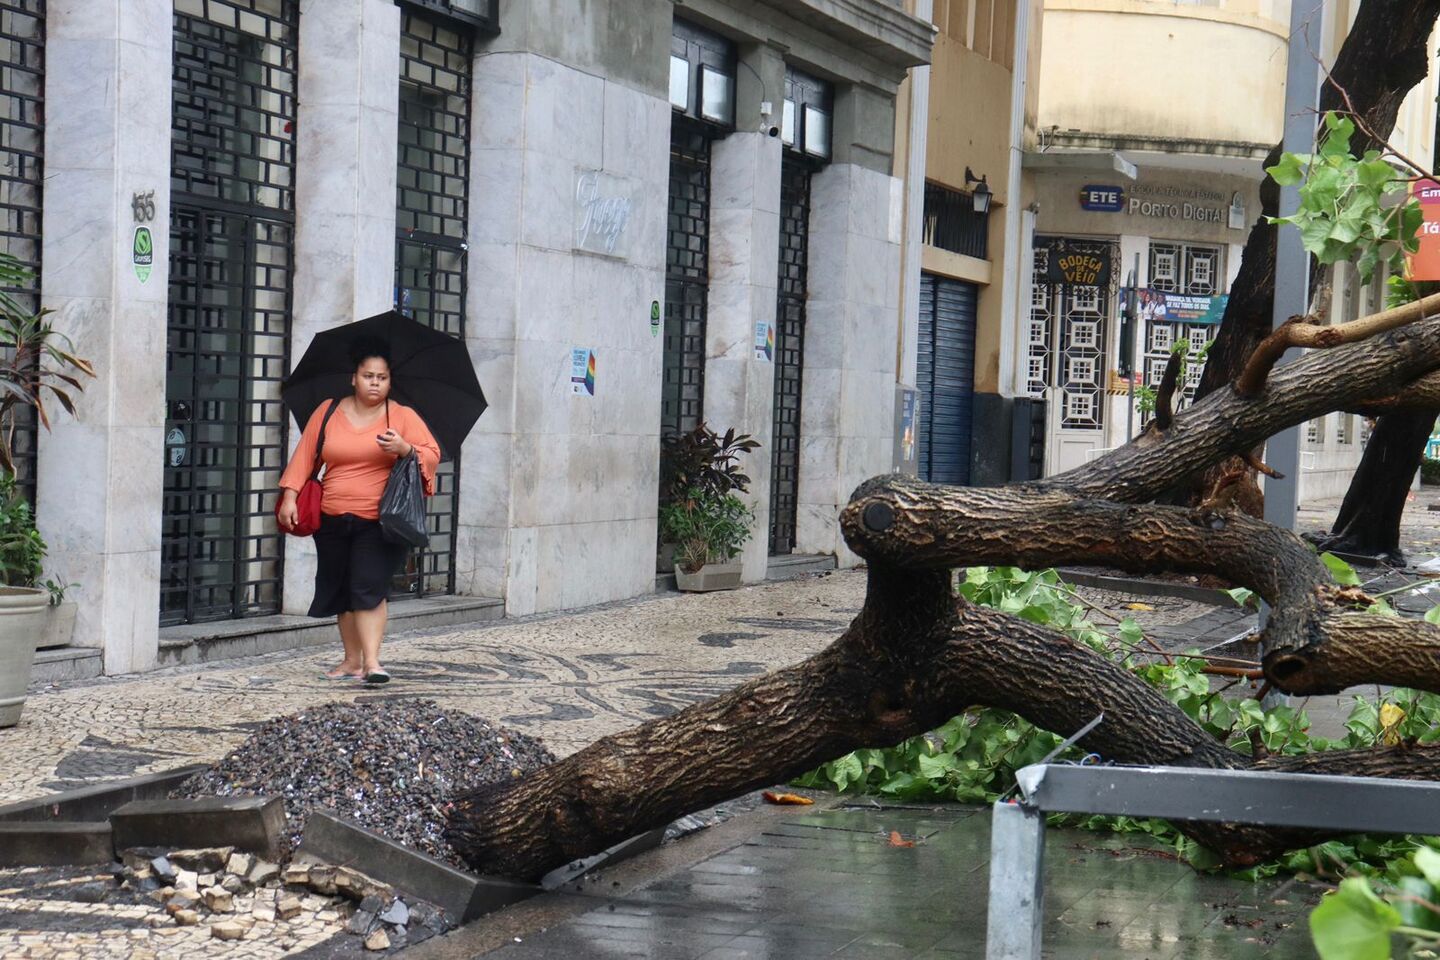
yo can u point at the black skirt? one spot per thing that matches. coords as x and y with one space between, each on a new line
355 565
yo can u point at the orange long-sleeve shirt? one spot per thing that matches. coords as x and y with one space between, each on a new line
356 469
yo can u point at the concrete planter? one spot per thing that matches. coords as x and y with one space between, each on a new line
712 576
22 620
59 626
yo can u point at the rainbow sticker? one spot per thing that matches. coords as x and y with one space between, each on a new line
582 372
764 341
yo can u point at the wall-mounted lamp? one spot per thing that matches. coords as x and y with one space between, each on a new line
981 194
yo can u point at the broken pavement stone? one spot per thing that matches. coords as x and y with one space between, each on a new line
187 880
217 900
204 860
296 874
234 884
288 908
239 864
378 940
228 930
322 880
186 918
361 923
262 871
163 869
397 914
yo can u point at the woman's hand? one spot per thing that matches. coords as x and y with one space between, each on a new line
289 512
394 444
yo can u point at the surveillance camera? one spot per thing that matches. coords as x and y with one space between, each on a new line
772 131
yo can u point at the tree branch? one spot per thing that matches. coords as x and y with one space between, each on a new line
1165 395
1304 333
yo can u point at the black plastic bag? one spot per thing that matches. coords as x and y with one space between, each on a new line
402 508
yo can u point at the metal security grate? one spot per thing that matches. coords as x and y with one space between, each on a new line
1066 342
22 106
789 352
687 277
231 256
951 222
1189 269
234 101
433 190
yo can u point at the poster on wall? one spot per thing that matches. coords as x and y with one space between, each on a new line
1424 264
1078 262
582 372
1157 305
764 341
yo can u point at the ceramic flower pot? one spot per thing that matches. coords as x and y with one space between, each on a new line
22 621
712 576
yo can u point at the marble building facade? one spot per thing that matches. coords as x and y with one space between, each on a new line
567 123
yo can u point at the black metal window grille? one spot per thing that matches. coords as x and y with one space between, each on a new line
22 114
789 352
467 15
951 222
433 189
231 260
234 101
687 277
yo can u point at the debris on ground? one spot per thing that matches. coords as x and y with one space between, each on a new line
387 765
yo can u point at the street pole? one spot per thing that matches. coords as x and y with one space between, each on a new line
1292 263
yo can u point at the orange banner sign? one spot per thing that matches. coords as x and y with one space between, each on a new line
1424 264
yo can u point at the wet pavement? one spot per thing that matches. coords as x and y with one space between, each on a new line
832 884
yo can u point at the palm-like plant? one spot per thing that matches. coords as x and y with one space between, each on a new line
36 360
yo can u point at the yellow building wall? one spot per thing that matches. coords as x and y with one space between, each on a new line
1162 71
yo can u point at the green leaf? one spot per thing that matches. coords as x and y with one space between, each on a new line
847 770
1412 912
1290 170
1427 861
1340 571
1353 923
1433 615
1243 597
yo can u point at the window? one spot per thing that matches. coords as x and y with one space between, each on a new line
702 74
806 113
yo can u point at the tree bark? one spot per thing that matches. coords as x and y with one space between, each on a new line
917 655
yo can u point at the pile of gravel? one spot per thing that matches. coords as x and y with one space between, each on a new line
388 765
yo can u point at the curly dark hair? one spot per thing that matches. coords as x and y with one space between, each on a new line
362 348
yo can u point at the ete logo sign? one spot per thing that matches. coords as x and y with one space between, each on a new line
1102 199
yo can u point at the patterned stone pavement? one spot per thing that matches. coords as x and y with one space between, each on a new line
569 678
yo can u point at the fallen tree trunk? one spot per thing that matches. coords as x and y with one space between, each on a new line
917 654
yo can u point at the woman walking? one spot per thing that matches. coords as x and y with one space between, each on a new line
364 436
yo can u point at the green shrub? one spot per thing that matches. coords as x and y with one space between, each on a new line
1430 471
705 527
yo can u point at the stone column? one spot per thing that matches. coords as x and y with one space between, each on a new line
107 137
558 501
847 395
345 143
744 268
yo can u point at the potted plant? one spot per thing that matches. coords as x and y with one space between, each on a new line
701 517
34 360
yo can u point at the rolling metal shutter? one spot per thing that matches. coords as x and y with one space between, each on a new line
946 378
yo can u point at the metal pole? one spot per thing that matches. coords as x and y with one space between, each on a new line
1292 263
1016 912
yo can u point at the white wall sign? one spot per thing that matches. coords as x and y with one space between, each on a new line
603 204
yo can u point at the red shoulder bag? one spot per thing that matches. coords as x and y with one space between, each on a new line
307 519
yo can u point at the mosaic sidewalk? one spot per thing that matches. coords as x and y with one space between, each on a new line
570 679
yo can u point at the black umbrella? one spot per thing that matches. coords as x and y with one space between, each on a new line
430 371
